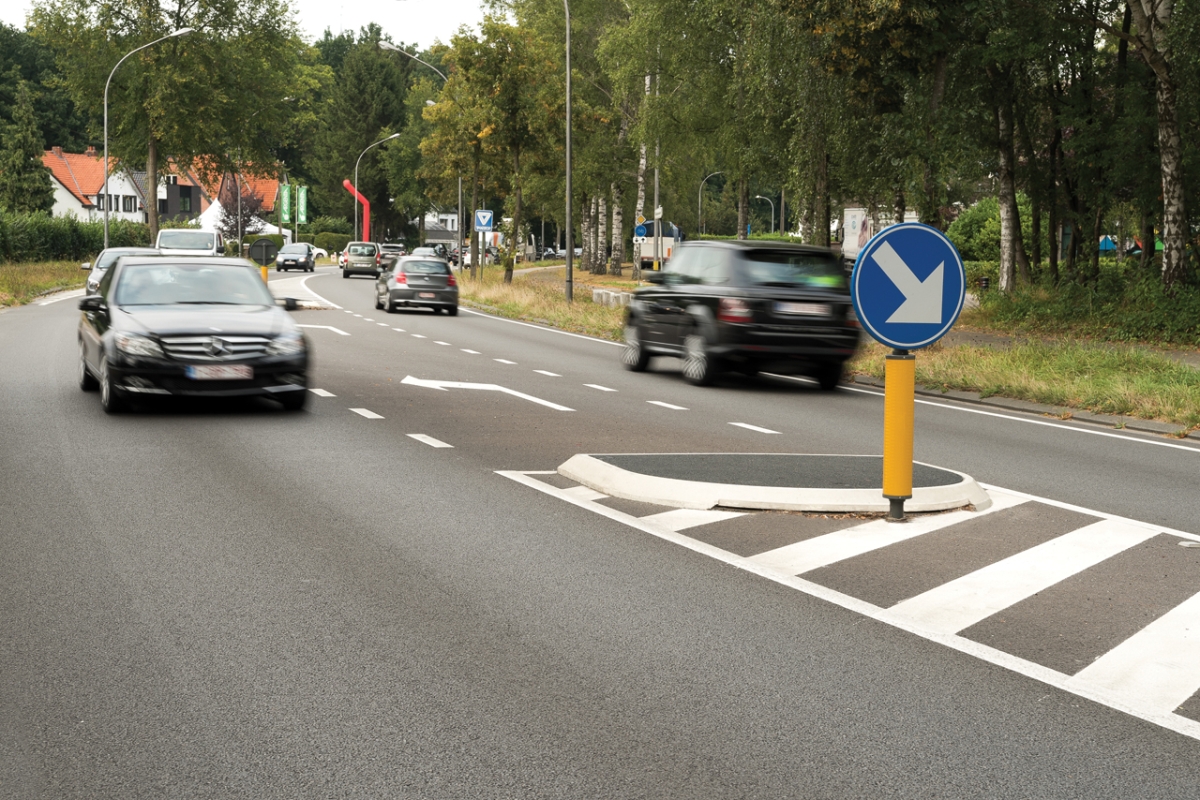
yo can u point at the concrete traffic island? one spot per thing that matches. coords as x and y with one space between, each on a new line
773 481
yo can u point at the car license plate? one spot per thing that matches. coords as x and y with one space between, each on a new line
803 309
429 295
221 372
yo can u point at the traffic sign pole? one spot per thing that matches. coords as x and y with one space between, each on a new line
899 406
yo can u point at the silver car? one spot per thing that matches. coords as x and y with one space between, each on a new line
107 258
417 282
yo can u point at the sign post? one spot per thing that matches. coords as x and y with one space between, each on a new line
285 203
908 288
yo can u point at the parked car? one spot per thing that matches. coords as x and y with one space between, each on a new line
429 252
746 307
190 242
320 252
418 282
392 251
300 255
362 258
106 259
195 327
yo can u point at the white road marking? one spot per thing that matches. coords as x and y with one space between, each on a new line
447 344
801 557
304 283
666 405
366 413
429 440
358 315
367 319
325 327
487 387
63 296
472 352
584 493
322 393
504 361
398 330
678 519
598 386
543 328
750 427
419 336
549 374
1158 667
961 603
384 324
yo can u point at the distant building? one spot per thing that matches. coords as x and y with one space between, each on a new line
79 187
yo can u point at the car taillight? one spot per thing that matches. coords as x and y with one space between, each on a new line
401 278
377 259
452 282
733 310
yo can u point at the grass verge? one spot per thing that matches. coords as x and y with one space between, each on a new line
539 297
1103 379
22 283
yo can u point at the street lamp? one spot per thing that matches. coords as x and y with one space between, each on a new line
356 163
772 202
700 198
180 32
390 46
570 289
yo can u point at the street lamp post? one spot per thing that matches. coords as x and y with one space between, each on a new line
570 230
356 163
390 46
180 32
772 202
700 198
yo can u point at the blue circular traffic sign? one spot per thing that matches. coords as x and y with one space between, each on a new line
640 230
908 286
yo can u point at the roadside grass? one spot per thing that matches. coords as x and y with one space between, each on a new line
22 283
1101 378
536 299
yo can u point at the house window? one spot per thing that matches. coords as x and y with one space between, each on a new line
185 199
99 202
162 206
129 203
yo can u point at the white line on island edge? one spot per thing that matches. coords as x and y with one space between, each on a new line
366 413
327 328
304 283
429 440
750 427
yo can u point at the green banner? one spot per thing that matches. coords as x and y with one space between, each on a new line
285 202
302 205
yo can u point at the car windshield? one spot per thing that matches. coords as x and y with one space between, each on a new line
782 268
190 284
108 257
362 249
187 240
294 248
424 251
430 267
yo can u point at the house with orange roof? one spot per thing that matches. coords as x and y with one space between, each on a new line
79 187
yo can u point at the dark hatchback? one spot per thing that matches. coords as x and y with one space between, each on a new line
417 282
300 255
193 327
748 307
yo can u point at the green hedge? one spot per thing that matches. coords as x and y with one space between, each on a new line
277 238
982 269
332 242
40 237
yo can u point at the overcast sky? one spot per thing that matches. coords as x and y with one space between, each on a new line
417 22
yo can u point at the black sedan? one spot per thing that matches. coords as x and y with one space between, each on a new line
748 307
300 255
193 327
417 282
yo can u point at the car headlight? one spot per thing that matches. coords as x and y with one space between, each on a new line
289 344
134 345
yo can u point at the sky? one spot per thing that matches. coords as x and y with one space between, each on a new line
418 22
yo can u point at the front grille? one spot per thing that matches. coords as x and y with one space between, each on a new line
214 348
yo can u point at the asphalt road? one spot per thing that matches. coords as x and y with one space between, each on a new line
234 601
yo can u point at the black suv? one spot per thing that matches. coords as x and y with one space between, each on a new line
745 306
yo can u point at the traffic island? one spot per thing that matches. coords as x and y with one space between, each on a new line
769 481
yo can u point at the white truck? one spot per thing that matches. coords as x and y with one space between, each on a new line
649 248
859 225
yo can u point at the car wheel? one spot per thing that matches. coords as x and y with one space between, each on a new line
87 381
378 300
278 269
829 376
345 273
111 398
699 368
293 401
452 311
634 356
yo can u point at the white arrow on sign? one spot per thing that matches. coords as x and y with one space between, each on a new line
487 387
922 299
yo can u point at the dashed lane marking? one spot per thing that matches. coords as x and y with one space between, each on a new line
429 440
750 427
419 336
599 387
671 406
547 373
472 352
447 344
398 330
366 412
322 393
384 324
504 361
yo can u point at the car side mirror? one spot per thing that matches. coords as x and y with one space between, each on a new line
93 302
654 276
86 266
290 304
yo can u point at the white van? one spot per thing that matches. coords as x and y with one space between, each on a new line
190 242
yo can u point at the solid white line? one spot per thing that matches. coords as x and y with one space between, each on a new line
322 393
445 343
1158 667
666 405
504 361
304 283
598 386
820 551
63 296
1057 425
366 413
549 374
961 603
429 440
542 328
472 352
326 328
418 336
584 493
678 519
749 427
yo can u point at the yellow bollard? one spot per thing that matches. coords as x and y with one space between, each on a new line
899 374
264 272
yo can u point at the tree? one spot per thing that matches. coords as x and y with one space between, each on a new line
250 209
24 180
22 57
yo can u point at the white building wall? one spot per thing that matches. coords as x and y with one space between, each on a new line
66 203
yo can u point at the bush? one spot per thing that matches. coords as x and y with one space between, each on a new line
40 237
323 224
332 242
982 269
277 238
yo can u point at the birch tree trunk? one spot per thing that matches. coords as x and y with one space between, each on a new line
585 219
743 207
601 236
618 231
151 189
1012 246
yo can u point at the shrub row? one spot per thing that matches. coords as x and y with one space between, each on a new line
40 237
332 242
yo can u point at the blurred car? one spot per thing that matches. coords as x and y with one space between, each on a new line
392 251
300 255
418 282
193 327
190 242
430 252
747 307
106 259
320 252
362 258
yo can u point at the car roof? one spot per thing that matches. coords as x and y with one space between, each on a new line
212 261
422 257
130 250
